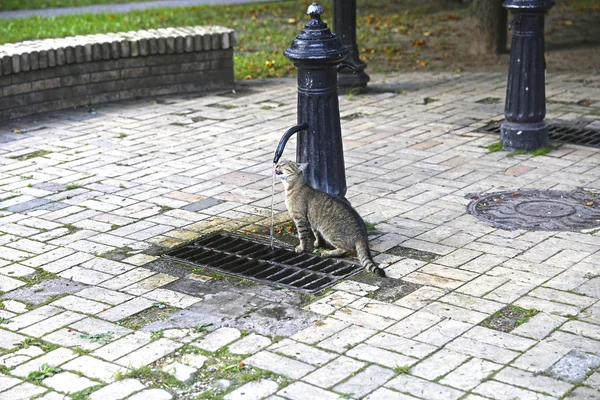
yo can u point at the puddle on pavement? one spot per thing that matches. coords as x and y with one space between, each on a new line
390 289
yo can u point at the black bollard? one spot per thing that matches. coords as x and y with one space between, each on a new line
353 75
525 108
317 52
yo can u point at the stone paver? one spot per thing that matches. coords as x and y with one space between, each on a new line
118 390
302 352
149 353
152 394
280 365
217 339
249 345
334 372
365 381
54 358
422 388
181 372
122 184
470 374
68 382
253 390
94 368
23 391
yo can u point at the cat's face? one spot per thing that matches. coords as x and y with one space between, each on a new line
289 171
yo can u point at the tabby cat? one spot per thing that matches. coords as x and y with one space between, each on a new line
328 218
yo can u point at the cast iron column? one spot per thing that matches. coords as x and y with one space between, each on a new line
344 24
317 52
525 108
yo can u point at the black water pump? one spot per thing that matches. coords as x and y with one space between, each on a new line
318 54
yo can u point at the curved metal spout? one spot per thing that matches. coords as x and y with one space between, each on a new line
285 138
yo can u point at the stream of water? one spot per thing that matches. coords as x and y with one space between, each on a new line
272 204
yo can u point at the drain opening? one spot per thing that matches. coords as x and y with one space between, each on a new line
245 258
561 132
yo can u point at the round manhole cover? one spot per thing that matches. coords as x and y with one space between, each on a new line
548 210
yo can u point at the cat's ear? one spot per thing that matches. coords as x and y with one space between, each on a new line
302 166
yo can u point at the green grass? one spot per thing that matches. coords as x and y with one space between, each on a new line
38 277
404 369
264 30
33 154
44 372
71 228
46 346
542 151
7 5
494 147
371 226
156 376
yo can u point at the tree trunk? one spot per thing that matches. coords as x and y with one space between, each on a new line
489 35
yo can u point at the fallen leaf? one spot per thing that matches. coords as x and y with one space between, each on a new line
589 203
292 21
418 43
17 130
514 194
568 22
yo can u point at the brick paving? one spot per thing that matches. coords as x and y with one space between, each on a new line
89 200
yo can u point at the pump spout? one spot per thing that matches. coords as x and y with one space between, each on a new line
285 138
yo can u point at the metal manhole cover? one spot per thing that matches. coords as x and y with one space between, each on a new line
245 258
548 210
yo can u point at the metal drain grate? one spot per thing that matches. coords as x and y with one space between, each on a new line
562 133
239 256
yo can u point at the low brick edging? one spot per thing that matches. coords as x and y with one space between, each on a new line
51 74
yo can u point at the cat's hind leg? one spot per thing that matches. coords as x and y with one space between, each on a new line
318 238
334 253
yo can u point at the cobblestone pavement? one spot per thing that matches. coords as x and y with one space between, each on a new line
127 7
89 198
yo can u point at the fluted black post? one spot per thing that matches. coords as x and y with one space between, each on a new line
525 107
317 52
345 27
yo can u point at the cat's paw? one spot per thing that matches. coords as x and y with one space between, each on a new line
317 243
299 249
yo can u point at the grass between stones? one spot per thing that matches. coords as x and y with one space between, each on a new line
221 373
148 316
542 151
153 375
38 277
508 318
33 154
495 147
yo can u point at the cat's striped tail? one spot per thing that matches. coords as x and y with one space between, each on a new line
364 255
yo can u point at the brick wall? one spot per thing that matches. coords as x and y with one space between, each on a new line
54 74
